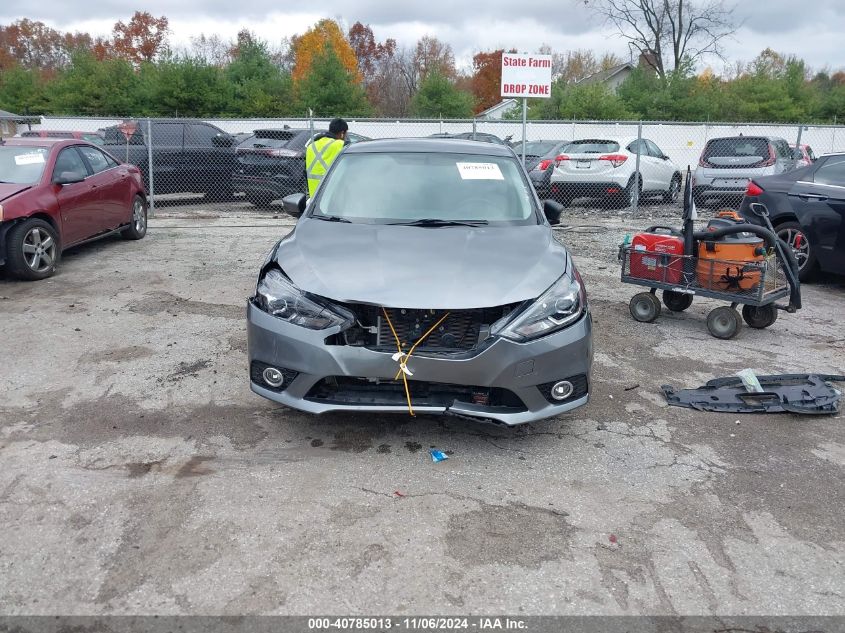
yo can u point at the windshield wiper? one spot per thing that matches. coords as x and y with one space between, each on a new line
330 218
435 222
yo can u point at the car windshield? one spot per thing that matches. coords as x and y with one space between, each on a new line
426 186
591 146
536 148
22 165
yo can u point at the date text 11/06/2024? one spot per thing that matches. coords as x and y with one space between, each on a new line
417 624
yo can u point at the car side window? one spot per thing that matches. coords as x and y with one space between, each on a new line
69 160
643 148
98 161
832 172
168 134
783 149
653 149
200 135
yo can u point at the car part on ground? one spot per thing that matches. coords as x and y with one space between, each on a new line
808 394
807 209
354 313
55 194
728 164
606 168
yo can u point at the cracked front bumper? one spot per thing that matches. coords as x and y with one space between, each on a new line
517 368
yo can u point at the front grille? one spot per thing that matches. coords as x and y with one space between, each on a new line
360 391
579 384
458 332
462 330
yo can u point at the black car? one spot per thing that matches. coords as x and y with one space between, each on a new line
482 137
807 209
539 162
188 155
271 163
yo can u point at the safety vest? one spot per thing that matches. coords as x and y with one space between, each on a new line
318 156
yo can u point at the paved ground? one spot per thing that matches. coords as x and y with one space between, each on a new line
140 475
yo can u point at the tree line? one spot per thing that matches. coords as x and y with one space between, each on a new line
330 71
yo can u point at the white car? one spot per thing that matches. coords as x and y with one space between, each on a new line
606 168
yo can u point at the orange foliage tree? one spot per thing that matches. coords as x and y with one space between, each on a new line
141 39
486 79
312 44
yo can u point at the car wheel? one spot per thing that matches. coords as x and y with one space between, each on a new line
759 317
32 250
793 235
676 301
674 190
137 228
644 307
259 200
724 322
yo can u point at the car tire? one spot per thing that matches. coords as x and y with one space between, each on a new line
626 197
671 195
805 255
137 228
27 257
258 200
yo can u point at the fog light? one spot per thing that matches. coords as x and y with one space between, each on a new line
275 378
562 390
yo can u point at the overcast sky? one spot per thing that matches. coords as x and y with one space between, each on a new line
812 30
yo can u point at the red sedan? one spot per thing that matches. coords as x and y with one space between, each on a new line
55 194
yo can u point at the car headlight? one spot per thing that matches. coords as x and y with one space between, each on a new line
560 306
276 295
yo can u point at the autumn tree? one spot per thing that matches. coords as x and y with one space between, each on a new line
433 56
33 44
141 39
311 44
669 31
380 70
486 81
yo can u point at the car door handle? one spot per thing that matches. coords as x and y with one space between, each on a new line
811 196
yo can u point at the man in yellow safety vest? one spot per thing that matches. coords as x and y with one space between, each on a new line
322 151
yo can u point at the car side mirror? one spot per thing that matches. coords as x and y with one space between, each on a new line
294 204
68 178
552 210
222 140
664 157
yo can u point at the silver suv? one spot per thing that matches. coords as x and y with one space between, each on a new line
727 164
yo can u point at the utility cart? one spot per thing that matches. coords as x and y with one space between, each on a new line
733 261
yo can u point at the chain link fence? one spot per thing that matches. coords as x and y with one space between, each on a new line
592 165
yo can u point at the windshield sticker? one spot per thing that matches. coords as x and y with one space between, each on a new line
480 171
29 159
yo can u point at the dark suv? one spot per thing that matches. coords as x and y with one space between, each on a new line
271 163
188 156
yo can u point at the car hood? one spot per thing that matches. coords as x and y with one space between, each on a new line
8 189
422 268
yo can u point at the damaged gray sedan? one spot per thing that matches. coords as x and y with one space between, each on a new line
423 277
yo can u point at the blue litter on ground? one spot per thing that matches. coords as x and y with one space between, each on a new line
438 456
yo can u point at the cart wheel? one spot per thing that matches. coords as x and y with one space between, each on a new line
760 317
676 301
723 322
645 307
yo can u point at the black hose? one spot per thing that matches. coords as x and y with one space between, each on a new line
784 253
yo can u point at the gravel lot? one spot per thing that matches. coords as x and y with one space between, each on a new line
140 475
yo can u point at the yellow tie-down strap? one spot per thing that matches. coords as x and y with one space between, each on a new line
402 358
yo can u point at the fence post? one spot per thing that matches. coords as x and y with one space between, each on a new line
311 123
833 136
798 140
150 170
473 128
636 201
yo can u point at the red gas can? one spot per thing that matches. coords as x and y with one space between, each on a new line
652 257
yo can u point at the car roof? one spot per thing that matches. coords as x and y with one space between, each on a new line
429 145
31 141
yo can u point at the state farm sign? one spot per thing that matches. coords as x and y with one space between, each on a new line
526 75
